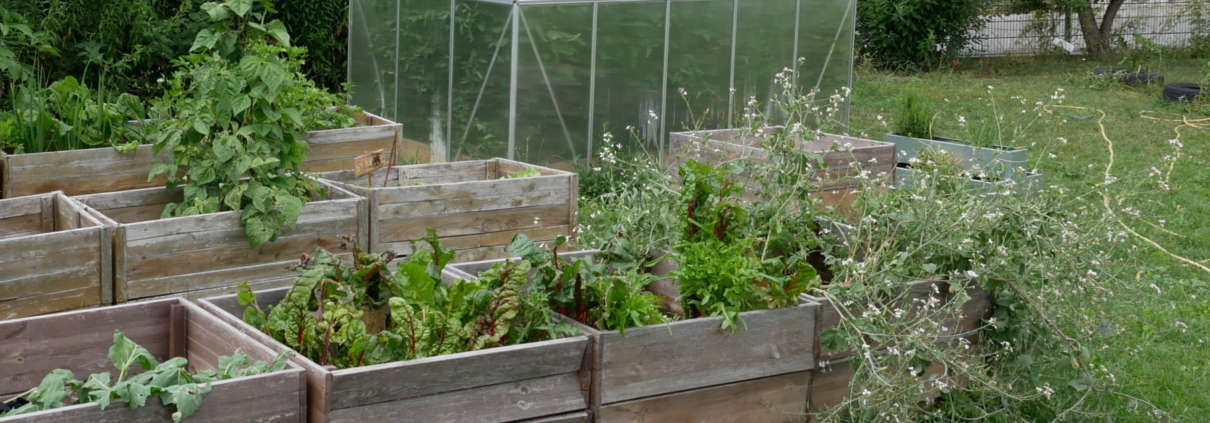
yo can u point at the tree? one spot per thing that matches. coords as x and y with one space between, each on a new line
1096 36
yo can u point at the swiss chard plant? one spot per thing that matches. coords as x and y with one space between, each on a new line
140 376
363 313
233 118
607 291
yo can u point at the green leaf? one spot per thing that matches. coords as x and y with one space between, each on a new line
239 104
291 207
277 30
1081 383
527 173
240 7
187 398
134 394
216 11
258 232
125 353
206 39
229 366
222 149
200 125
98 389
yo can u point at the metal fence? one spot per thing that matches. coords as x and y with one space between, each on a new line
1170 23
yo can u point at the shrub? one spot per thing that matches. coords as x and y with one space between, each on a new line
915 35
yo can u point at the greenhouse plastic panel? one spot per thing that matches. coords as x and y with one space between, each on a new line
544 81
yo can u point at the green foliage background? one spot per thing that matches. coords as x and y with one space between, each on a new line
914 35
135 41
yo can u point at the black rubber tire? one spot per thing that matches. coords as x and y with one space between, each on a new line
1131 78
1183 91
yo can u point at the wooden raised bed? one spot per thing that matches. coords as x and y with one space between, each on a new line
54 256
97 170
690 370
207 255
831 383
80 340
472 205
535 382
971 318
846 158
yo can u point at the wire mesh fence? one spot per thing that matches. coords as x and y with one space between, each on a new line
1168 23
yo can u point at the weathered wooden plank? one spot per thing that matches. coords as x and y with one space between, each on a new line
580 417
437 170
143 249
774 399
21 225
21 206
260 398
131 198
50 282
346 135
36 345
256 285
471 242
472 204
197 261
453 372
99 162
316 210
396 230
145 288
409 194
87 255
695 353
506 167
119 264
348 148
504 402
50 303
87 184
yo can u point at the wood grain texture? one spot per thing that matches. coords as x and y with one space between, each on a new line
62 264
79 341
769 400
580 417
471 385
414 378
100 170
695 353
208 255
506 402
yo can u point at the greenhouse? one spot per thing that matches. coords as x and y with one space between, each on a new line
543 80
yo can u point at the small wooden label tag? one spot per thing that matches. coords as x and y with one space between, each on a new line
369 162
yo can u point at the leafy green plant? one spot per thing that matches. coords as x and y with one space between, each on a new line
68 115
234 116
913 116
170 381
915 35
606 291
361 313
18 42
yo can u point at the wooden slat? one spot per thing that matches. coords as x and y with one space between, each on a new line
344 135
476 241
348 149
21 206
472 204
197 261
145 288
131 198
232 236
260 398
652 361
78 341
87 184
395 230
95 162
831 384
580 417
231 289
88 255
316 210
497 403
472 189
15 227
43 244
50 303
774 399
437 170
50 282
453 372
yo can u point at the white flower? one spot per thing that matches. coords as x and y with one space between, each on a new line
972 274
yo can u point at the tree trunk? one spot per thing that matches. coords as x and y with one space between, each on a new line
1096 37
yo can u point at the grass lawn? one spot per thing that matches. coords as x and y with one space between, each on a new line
1163 353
